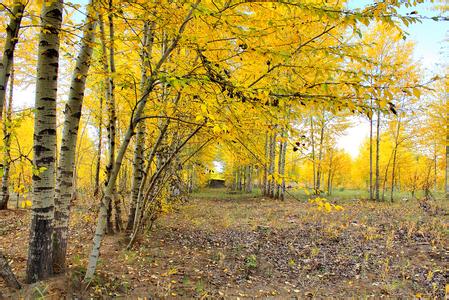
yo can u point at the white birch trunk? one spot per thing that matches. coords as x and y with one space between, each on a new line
138 162
39 265
446 186
272 182
265 166
377 182
137 174
112 113
72 115
107 86
12 33
7 146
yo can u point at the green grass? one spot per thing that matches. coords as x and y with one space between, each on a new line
224 194
356 194
303 195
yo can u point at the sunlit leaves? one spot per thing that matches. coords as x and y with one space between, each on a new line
322 204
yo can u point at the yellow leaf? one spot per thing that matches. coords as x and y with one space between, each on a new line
216 129
338 208
417 93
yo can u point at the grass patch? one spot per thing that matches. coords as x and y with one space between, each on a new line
224 194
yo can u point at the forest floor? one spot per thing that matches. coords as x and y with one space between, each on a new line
238 246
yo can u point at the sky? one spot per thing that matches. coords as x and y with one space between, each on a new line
430 51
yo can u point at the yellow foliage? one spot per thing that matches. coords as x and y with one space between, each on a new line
322 204
26 204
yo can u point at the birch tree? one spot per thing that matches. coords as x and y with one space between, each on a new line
109 189
12 34
112 115
72 115
7 131
108 92
39 265
138 161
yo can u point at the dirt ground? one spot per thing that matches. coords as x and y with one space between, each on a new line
254 247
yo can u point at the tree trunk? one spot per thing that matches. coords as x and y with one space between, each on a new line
239 179
72 116
371 157
329 188
101 222
111 142
137 174
7 146
320 157
39 265
244 178
191 186
249 184
112 113
278 185
7 274
138 163
378 156
312 138
435 168
393 173
154 188
272 181
446 186
395 151
384 184
109 189
152 154
99 148
282 171
332 181
12 34
265 166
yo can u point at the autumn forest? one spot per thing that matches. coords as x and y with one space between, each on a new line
223 149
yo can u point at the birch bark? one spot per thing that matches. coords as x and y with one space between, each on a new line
138 161
72 116
12 33
7 146
39 265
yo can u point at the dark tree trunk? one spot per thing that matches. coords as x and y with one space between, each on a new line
7 274
99 148
11 39
7 147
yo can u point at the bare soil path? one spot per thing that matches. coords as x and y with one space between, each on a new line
255 247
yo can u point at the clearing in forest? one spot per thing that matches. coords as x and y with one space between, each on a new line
236 245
